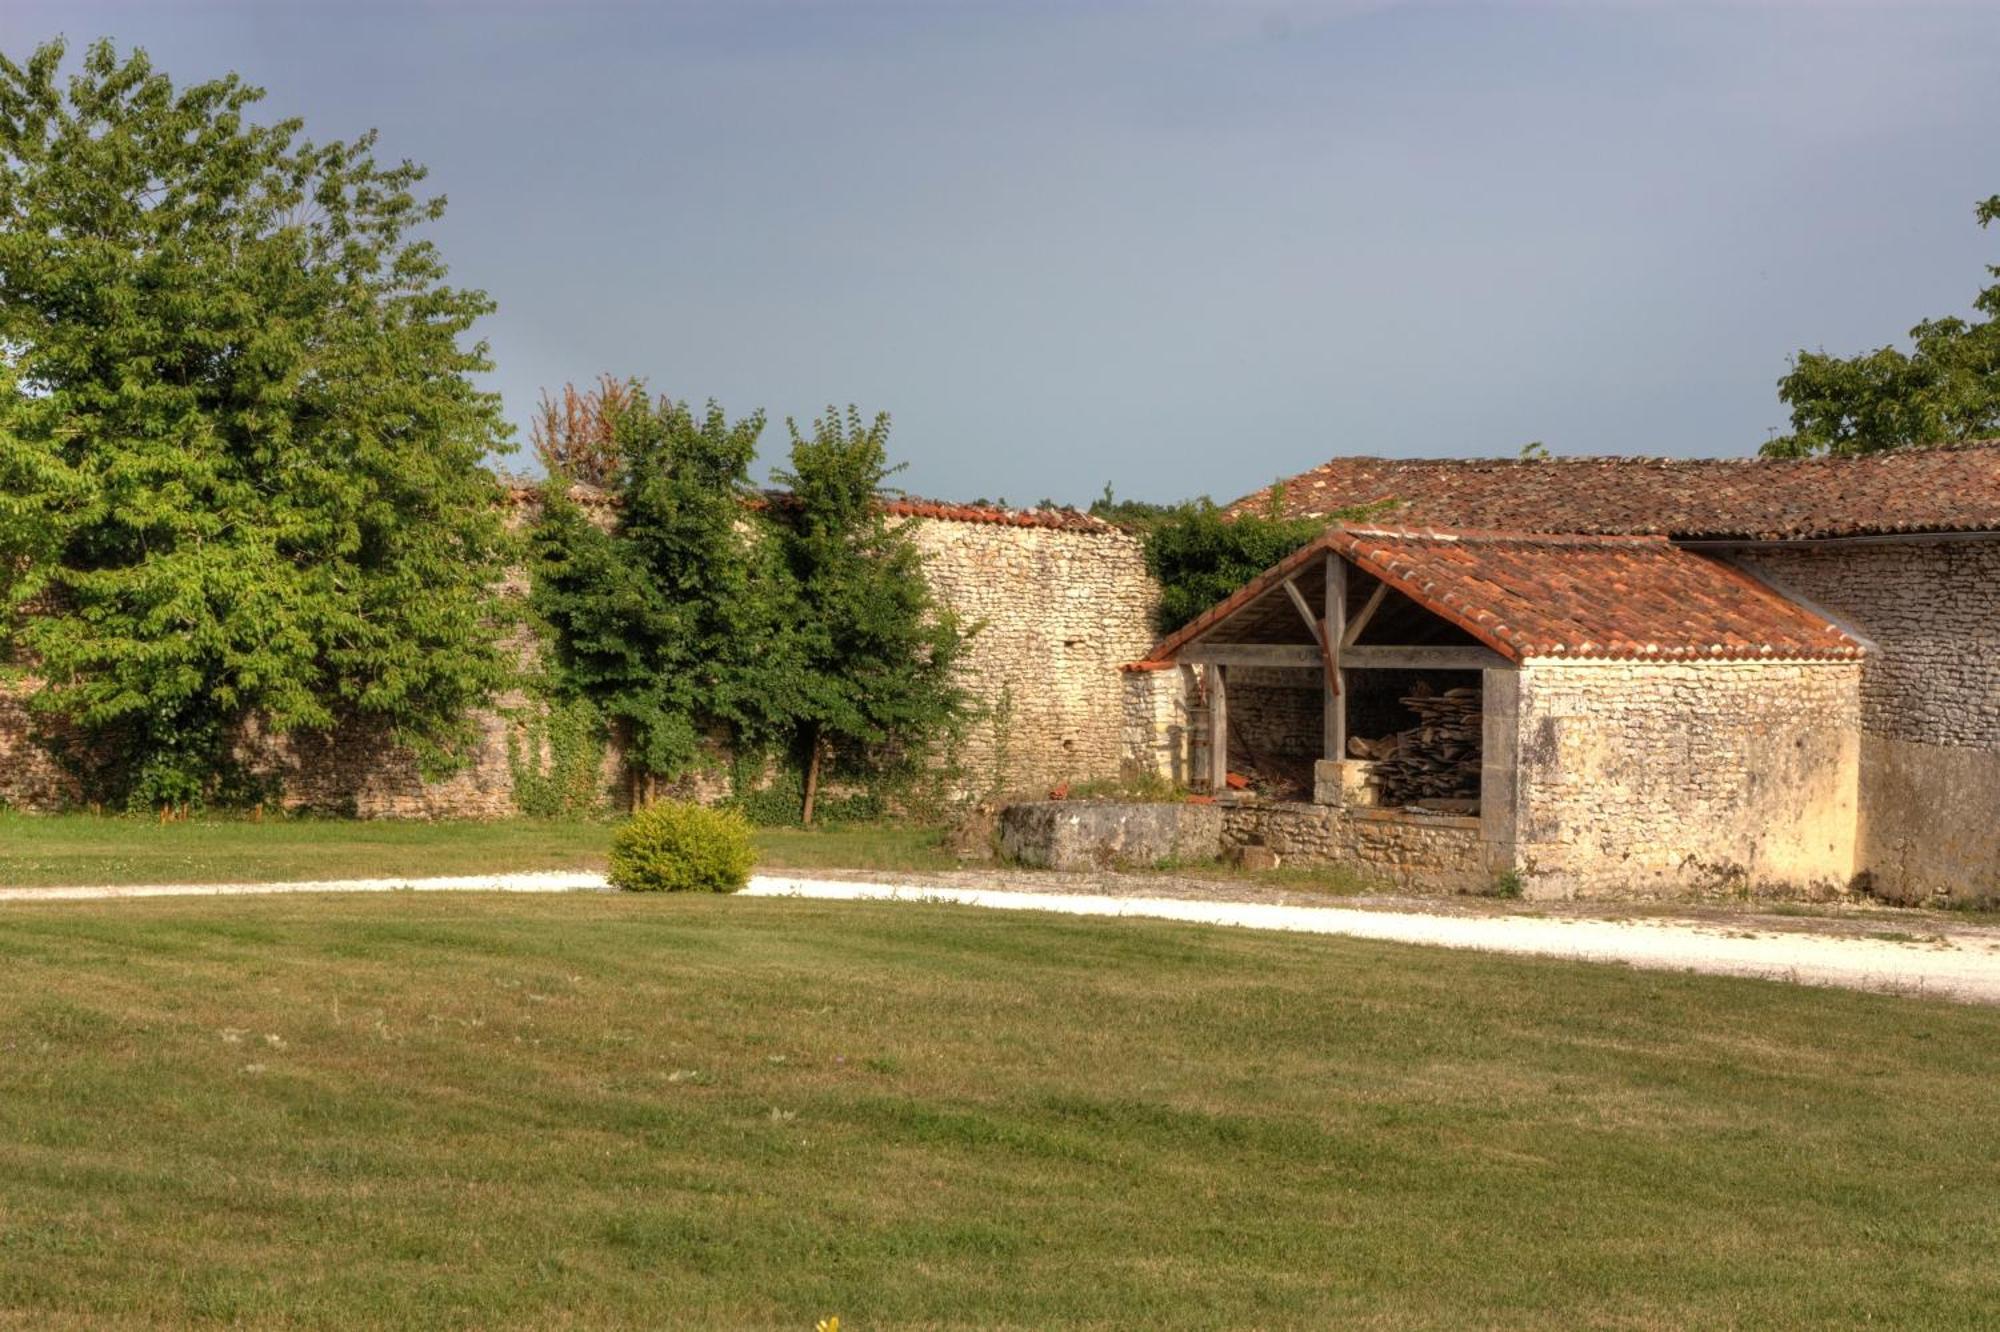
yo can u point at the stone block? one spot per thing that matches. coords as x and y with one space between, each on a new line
1089 834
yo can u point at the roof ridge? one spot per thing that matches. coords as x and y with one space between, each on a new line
1652 459
1493 535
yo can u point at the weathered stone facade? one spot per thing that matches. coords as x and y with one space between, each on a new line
1930 701
1058 611
1158 724
1640 779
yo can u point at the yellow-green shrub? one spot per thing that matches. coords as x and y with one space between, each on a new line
673 847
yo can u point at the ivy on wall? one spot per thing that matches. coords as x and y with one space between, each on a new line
556 758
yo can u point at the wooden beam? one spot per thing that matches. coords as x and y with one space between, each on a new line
1360 622
1254 654
1305 611
1424 658
1333 634
1322 635
1218 729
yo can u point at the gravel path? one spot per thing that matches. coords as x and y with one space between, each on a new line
1947 960
1960 963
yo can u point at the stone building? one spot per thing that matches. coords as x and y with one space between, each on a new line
1690 675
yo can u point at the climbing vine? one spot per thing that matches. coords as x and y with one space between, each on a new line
556 758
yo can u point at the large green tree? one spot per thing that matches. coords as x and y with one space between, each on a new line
1946 388
876 654
668 616
240 445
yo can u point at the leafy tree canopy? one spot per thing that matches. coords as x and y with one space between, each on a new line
1946 388
669 616
240 449
876 653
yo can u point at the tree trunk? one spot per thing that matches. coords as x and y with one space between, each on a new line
812 779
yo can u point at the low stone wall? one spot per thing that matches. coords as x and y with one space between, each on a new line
1092 834
1409 852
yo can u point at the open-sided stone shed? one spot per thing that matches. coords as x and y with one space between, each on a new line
1592 714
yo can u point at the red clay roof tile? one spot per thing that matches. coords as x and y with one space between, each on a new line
1952 488
1574 596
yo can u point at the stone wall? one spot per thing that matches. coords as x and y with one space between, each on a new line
1644 779
1407 852
1930 702
30 777
1059 606
1277 712
1059 610
1158 717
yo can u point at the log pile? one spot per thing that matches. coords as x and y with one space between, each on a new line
1435 764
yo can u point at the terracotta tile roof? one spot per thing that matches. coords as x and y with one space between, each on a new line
1953 488
1565 596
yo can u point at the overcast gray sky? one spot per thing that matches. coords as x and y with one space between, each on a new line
1182 248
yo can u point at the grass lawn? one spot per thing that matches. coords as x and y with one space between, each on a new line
81 849
599 1111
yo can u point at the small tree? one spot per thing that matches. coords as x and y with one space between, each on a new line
875 653
574 438
1945 389
240 446
668 620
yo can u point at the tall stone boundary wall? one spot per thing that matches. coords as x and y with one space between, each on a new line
1930 703
1643 779
1058 611
1059 604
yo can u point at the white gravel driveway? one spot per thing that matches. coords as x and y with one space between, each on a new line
1955 962
1962 964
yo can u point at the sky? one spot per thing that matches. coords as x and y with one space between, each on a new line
1178 248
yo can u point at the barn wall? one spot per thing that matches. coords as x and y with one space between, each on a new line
1930 703
1686 779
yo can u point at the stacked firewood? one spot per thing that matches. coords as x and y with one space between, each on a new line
1434 764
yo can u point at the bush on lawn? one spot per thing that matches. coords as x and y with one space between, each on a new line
673 847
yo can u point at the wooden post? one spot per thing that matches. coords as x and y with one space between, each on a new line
1218 730
1333 632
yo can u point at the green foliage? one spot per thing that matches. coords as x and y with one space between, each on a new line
1132 515
874 653
674 847
1200 557
673 620
1946 388
777 802
240 446
556 759
1148 788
